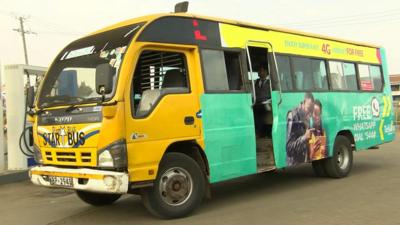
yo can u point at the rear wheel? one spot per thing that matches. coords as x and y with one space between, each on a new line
97 199
178 189
340 164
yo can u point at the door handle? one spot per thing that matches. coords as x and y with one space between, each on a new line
189 120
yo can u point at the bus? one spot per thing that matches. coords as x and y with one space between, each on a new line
166 105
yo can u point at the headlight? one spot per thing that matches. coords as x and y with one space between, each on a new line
105 159
113 155
37 154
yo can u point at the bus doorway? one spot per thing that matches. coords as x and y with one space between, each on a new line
260 83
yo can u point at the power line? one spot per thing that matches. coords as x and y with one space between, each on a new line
50 27
7 13
60 33
386 13
347 23
56 26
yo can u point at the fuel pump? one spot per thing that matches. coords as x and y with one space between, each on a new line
26 146
21 81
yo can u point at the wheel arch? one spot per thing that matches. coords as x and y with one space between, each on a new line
192 149
349 135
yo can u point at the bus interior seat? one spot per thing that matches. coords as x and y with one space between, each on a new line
336 81
174 79
149 98
351 80
299 79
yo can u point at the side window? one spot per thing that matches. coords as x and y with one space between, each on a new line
370 77
318 68
309 74
349 70
302 73
376 76
222 71
343 76
157 73
214 70
365 81
233 70
285 72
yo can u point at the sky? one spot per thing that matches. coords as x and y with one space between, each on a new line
57 23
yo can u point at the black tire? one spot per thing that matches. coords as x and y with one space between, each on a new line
341 162
318 168
97 199
175 171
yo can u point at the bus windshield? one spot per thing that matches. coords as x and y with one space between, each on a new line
71 78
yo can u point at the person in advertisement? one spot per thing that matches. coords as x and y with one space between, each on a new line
299 131
317 142
305 137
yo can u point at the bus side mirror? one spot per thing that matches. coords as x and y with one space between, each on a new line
104 78
30 100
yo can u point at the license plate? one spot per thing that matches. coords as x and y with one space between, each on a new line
61 181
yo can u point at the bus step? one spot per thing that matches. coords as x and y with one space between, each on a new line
265 161
265 169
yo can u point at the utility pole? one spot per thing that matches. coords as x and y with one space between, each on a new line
23 32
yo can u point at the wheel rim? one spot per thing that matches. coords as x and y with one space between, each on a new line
343 157
176 186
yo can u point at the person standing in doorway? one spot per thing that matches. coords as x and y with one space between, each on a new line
263 93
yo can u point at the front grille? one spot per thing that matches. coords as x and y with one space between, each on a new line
69 157
66 156
48 156
86 156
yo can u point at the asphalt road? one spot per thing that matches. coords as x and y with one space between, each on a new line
370 195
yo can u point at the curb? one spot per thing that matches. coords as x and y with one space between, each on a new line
8 177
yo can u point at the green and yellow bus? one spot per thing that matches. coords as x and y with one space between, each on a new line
165 105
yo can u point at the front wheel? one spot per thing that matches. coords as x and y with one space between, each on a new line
97 199
178 189
340 164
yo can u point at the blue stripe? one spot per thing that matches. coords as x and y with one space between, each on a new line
87 136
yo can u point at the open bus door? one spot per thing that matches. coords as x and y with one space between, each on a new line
261 60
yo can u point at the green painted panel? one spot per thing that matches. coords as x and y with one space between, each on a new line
229 135
340 111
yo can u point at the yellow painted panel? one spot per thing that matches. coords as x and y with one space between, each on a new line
237 37
86 128
165 124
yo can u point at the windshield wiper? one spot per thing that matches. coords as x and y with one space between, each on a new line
71 108
79 102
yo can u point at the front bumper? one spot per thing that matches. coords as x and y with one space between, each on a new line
82 179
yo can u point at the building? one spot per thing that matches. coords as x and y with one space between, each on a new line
395 85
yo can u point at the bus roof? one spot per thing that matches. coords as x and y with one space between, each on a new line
153 17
